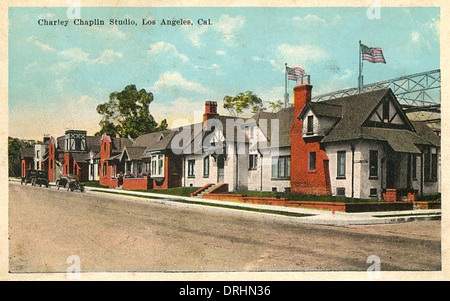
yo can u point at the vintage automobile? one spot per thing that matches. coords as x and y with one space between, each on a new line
29 177
70 182
41 178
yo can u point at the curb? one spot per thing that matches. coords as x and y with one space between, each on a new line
314 216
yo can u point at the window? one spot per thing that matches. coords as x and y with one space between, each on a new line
341 164
414 167
386 111
310 124
206 167
373 192
281 167
252 161
160 164
430 164
104 170
312 161
373 164
191 166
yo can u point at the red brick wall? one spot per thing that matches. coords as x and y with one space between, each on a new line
136 183
51 160
105 153
302 179
27 163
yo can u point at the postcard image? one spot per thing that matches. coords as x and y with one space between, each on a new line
223 140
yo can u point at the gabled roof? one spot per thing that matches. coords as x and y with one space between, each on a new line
356 110
322 109
133 152
27 152
285 119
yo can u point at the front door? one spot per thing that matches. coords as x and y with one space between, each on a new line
220 168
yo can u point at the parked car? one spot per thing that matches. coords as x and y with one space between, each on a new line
41 178
29 177
70 182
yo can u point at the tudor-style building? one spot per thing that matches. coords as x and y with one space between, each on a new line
361 146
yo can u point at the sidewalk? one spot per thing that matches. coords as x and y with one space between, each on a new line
320 217
311 216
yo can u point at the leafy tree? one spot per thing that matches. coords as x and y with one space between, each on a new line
275 106
14 146
127 114
243 102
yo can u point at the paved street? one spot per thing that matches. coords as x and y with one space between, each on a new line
116 233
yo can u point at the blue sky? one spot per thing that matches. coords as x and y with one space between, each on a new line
58 75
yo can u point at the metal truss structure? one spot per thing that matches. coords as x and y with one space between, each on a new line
419 95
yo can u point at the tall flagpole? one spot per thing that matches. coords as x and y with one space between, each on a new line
360 78
286 95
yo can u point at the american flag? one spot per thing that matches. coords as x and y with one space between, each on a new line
294 73
372 54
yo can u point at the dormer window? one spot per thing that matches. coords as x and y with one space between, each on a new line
310 124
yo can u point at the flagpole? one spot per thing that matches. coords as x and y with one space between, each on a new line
286 95
360 78
360 70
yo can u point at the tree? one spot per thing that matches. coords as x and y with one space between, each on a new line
14 146
127 114
275 106
242 102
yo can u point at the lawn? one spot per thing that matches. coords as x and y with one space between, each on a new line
179 191
304 197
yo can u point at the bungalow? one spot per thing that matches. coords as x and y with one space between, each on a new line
145 163
361 146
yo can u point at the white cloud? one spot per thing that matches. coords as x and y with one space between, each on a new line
415 36
75 54
228 26
166 48
220 52
193 33
309 20
217 69
110 29
298 56
107 56
338 81
434 26
173 79
43 46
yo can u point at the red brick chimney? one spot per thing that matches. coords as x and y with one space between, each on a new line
302 95
210 110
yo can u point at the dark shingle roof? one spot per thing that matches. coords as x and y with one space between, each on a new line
134 152
27 152
355 111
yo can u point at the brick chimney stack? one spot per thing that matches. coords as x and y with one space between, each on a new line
210 110
302 95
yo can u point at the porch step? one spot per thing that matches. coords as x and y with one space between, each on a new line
207 190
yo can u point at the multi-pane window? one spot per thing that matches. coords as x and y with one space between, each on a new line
310 124
312 161
341 164
206 166
160 164
191 167
281 167
373 163
252 161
